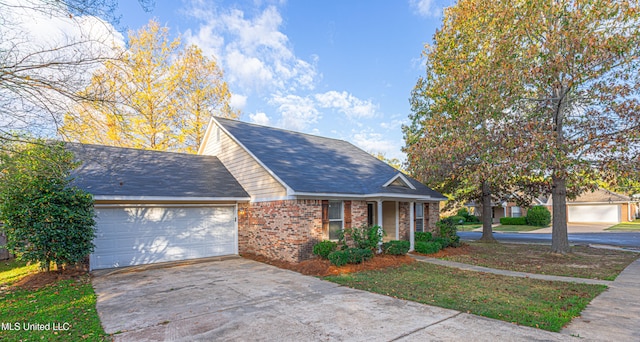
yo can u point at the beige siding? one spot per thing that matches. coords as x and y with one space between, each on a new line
250 174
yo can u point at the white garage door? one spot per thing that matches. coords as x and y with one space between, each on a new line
127 236
594 213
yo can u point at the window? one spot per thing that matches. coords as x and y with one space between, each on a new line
335 219
419 217
516 212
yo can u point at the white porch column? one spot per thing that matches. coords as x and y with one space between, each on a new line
412 228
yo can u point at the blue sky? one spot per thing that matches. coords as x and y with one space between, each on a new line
341 69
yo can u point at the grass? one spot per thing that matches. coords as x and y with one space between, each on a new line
634 225
66 305
583 262
467 227
515 228
542 304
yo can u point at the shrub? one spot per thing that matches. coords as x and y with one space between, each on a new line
365 237
538 216
513 221
396 247
457 219
423 236
350 256
46 218
339 258
428 247
467 216
448 230
444 242
324 248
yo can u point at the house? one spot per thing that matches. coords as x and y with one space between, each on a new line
598 206
251 189
305 188
505 208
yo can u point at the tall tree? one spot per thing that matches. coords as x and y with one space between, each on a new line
570 69
46 50
161 96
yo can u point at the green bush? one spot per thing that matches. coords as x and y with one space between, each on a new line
396 247
324 248
513 221
339 258
468 218
444 242
448 230
538 216
365 237
457 219
423 236
350 256
428 247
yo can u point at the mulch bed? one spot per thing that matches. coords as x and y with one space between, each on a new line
321 268
41 279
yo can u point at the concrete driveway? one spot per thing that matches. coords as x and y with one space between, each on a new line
243 300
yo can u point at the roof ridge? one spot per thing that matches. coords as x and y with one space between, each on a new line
282 129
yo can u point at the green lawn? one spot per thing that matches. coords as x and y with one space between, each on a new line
635 225
467 227
65 309
583 262
536 303
515 228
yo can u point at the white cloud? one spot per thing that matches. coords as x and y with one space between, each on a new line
425 8
375 142
260 119
346 103
255 54
237 101
298 113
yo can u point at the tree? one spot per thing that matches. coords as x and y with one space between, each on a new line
46 219
569 73
161 96
42 71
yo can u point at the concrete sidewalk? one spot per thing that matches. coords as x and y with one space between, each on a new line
612 316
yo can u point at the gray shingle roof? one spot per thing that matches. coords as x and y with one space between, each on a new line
116 171
313 164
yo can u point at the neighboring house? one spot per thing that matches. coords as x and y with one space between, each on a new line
251 189
305 188
599 206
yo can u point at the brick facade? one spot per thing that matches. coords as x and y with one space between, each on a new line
287 230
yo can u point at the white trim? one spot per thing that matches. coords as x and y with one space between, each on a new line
596 203
403 178
271 173
374 196
380 216
203 144
272 199
169 198
236 222
159 205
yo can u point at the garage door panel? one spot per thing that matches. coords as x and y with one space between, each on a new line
142 235
594 213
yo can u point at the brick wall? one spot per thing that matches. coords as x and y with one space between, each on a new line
404 216
433 216
281 230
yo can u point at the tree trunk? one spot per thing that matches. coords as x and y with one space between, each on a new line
559 236
487 220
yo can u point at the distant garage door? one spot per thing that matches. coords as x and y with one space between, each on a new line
594 213
129 236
